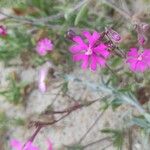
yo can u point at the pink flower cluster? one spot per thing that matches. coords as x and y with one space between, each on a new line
44 46
139 61
17 145
90 50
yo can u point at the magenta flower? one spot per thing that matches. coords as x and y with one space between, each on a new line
43 75
44 46
139 61
17 145
90 50
3 31
50 145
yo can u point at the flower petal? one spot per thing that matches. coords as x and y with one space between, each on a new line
141 66
93 64
133 52
101 61
78 39
87 34
75 48
16 144
101 49
95 36
50 145
78 57
85 62
146 56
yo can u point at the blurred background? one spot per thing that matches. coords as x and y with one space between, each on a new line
100 121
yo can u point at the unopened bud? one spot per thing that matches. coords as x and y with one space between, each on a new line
144 26
115 36
3 31
70 34
142 39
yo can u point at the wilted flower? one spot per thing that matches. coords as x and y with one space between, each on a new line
44 46
139 61
3 31
43 75
115 36
90 50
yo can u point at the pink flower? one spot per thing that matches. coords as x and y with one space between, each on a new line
139 61
3 30
44 46
43 75
50 145
89 50
17 145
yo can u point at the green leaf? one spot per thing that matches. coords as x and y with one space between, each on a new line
147 116
142 122
75 147
64 87
81 14
10 3
117 137
116 103
117 61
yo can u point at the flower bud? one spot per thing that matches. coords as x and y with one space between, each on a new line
115 36
142 39
70 34
3 31
144 26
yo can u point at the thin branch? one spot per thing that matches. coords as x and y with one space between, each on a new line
130 138
92 126
121 11
125 6
107 146
97 141
43 21
60 15
67 111
30 21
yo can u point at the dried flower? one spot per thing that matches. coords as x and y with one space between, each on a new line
90 50
115 36
139 61
3 30
43 75
44 46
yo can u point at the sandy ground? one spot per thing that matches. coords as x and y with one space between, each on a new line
70 130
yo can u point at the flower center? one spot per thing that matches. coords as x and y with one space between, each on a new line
140 57
89 51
